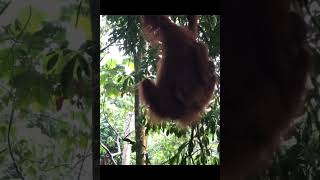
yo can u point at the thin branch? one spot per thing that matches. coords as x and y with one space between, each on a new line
102 58
26 24
12 110
5 7
9 145
191 139
103 49
204 34
18 170
84 157
198 136
108 151
128 140
78 13
107 46
81 166
11 34
114 130
119 148
192 160
3 150
57 166
121 33
66 164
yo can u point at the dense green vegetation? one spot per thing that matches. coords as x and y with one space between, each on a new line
45 90
166 143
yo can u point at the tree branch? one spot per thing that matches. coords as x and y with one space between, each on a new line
9 145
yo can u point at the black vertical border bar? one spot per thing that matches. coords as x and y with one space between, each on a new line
95 30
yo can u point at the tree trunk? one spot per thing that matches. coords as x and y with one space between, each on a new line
95 31
128 127
139 127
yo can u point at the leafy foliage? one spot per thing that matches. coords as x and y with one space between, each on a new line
298 157
45 94
167 143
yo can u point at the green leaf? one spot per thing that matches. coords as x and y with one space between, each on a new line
65 52
17 25
23 82
41 91
79 73
3 131
27 154
31 170
190 147
203 159
36 18
21 52
183 161
66 153
167 133
125 84
205 140
67 77
31 87
131 81
103 78
52 61
64 61
6 62
84 65
83 140
112 64
202 130
208 152
119 79
182 147
171 160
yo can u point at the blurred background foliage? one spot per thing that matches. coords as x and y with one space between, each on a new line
299 155
45 89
